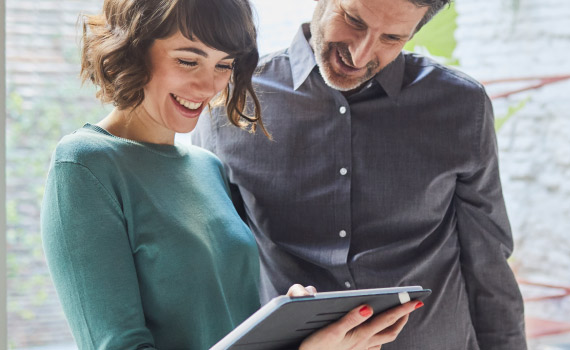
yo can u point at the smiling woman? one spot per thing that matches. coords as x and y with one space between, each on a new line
113 60
134 227
186 75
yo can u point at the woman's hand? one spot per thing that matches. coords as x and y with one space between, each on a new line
298 290
350 333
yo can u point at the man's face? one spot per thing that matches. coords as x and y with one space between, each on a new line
354 39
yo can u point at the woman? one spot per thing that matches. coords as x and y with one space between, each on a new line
144 246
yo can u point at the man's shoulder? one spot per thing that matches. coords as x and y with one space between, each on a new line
277 60
418 65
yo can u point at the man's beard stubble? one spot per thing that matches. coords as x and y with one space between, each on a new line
324 52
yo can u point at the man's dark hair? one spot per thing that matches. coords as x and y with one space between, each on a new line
434 6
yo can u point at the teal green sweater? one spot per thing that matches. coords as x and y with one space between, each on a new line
144 245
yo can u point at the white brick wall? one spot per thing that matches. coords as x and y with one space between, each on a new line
497 41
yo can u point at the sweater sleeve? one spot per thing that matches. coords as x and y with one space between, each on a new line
90 260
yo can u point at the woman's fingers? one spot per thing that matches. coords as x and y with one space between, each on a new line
359 330
352 319
311 289
334 336
298 290
389 334
390 317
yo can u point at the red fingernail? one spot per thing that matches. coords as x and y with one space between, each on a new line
365 311
418 305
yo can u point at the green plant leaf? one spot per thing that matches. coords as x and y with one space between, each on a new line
501 120
438 36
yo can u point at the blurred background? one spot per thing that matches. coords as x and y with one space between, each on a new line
517 48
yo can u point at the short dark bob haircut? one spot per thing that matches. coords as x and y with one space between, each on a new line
116 44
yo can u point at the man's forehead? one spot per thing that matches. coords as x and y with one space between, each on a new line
396 10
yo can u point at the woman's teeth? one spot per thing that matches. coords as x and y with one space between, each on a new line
188 104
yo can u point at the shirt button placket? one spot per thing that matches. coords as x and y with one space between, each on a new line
344 158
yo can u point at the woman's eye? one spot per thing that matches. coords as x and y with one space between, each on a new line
187 63
225 67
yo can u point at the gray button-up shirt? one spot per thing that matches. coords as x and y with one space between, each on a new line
396 185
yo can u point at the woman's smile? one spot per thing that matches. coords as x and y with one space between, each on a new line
187 108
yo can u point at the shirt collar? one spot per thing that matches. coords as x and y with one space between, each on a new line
301 56
302 60
392 76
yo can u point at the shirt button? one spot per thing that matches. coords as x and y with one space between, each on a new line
347 284
342 109
342 233
343 171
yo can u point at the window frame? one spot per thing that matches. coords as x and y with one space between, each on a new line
3 250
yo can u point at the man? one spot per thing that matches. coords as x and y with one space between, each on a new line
382 172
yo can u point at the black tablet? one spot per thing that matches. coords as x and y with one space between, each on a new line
284 322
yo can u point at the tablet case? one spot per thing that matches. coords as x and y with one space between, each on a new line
284 322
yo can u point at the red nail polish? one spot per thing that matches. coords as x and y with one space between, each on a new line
365 311
418 305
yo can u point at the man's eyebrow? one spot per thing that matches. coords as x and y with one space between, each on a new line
352 14
198 52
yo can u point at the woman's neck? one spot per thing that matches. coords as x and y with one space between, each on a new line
137 125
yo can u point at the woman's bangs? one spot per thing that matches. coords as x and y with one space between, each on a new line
225 25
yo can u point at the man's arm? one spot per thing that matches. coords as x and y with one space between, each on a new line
486 243
205 136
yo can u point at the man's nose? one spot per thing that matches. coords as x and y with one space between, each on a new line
362 50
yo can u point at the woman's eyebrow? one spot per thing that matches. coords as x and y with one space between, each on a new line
198 52
194 50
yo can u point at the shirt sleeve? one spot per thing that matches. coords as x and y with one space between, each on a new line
205 136
90 260
486 243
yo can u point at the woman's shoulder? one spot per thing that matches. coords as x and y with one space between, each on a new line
204 161
84 146
203 154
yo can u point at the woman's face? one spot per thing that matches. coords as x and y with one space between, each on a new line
185 76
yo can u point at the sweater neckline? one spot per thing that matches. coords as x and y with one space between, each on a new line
172 151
